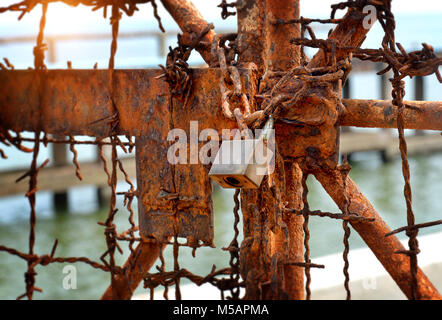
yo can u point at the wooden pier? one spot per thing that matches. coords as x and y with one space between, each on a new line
387 144
59 178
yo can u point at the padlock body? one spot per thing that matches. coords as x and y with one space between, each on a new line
241 163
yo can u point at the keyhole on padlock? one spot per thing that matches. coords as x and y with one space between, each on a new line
232 181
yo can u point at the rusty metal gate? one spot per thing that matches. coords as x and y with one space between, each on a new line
258 72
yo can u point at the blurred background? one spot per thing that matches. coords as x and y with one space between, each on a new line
69 209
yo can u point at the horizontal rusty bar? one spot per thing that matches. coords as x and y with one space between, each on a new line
423 115
74 99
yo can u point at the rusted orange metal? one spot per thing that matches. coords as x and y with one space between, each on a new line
281 56
139 97
91 104
313 123
174 200
250 33
420 115
262 43
294 275
350 32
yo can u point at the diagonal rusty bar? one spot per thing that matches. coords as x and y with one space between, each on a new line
192 23
134 270
373 234
349 32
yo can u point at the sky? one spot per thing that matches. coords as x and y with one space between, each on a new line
321 8
63 19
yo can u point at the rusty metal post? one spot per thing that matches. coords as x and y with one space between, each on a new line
281 56
250 45
266 44
294 275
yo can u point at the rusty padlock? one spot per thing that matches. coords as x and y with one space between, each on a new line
244 163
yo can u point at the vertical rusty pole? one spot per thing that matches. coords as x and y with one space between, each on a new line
266 44
281 56
293 275
251 23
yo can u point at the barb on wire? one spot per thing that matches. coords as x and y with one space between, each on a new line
177 72
224 5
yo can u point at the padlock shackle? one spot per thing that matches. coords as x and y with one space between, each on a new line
266 130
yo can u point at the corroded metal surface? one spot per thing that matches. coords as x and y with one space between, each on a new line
313 123
271 238
173 199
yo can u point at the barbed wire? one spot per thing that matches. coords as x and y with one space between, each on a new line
129 7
